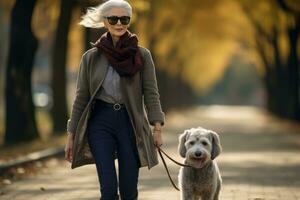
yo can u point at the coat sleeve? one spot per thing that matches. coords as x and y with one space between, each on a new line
150 91
81 98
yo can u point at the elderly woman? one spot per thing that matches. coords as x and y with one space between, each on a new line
116 101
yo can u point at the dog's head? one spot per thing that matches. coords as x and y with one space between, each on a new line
199 146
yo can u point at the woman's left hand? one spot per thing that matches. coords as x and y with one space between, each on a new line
157 137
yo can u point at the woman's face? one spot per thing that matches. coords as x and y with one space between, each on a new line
118 29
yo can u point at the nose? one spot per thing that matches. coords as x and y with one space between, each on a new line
198 153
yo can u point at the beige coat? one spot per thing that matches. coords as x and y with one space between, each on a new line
141 99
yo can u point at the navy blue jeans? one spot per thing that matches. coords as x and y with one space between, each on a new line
110 135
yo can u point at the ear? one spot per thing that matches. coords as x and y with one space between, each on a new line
181 146
216 146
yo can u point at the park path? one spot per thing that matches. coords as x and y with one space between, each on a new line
260 160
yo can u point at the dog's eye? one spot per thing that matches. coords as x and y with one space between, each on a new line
192 142
204 143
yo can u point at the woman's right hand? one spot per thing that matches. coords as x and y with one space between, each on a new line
69 147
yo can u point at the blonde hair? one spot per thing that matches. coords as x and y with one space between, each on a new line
94 16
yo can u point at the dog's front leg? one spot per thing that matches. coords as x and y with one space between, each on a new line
187 194
185 185
207 196
186 191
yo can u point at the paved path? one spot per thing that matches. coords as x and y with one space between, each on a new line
260 160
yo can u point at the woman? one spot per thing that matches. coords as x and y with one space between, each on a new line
116 101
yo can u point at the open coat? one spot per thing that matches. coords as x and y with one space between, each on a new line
141 98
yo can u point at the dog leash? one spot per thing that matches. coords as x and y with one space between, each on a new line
160 151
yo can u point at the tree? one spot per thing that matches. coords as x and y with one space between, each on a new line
274 20
293 107
59 110
20 112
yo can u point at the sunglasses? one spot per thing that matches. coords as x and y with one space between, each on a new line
113 20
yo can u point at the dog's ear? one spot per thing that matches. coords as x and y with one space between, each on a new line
216 145
181 146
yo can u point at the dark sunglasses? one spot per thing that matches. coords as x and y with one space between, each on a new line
113 20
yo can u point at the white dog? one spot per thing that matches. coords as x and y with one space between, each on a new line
199 147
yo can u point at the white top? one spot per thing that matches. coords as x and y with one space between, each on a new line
110 90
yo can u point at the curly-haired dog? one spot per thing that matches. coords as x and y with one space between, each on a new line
199 147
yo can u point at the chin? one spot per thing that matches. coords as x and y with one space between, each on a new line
118 34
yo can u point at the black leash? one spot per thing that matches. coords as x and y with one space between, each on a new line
160 151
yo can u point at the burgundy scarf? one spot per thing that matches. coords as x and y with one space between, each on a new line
125 57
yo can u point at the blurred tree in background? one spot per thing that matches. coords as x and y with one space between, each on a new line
20 118
277 26
192 43
59 57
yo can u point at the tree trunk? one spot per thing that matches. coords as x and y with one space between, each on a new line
293 66
20 112
59 110
280 87
292 104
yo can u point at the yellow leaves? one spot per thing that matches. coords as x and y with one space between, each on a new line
6 7
44 20
75 41
270 24
195 41
208 64
140 5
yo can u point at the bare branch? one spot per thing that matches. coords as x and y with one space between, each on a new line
256 24
283 5
262 53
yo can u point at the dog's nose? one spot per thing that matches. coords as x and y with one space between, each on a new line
198 153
